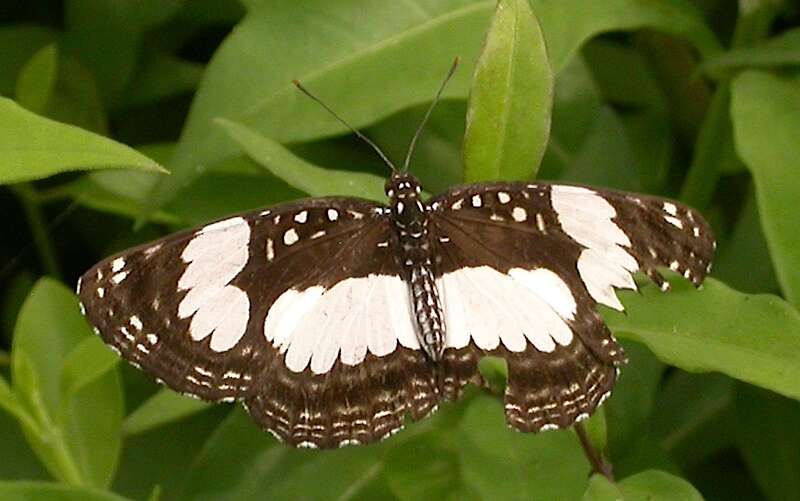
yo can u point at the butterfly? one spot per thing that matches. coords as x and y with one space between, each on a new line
332 319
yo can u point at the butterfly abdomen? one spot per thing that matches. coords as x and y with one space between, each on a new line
415 256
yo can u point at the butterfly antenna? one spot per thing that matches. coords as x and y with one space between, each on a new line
343 122
421 125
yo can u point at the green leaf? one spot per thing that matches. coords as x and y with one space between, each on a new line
424 461
164 456
91 423
49 327
242 462
623 75
356 66
508 119
746 244
548 465
164 76
694 417
426 467
8 401
754 338
109 37
597 430
782 50
437 157
302 175
31 491
768 433
602 489
77 439
713 151
605 158
654 485
33 147
164 407
44 437
37 79
88 361
26 40
25 465
629 407
766 123
568 24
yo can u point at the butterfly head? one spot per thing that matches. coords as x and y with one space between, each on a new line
402 185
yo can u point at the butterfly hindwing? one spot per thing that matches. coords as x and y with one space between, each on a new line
268 307
521 268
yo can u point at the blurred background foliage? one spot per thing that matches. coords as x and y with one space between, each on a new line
698 100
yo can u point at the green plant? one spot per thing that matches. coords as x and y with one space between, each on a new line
698 100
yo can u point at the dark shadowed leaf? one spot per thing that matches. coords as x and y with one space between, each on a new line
33 491
768 433
693 418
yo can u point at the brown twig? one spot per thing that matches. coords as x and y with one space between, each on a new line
599 464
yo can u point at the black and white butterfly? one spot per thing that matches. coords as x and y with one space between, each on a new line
332 319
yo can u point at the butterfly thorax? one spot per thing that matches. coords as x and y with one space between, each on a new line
410 218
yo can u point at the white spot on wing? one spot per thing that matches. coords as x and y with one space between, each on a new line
224 317
119 277
549 287
491 307
151 250
605 263
290 237
333 214
503 197
359 315
270 249
670 209
540 222
117 264
301 217
136 322
600 278
519 214
476 201
215 256
674 221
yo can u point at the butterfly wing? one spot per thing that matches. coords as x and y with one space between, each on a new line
298 311
521 269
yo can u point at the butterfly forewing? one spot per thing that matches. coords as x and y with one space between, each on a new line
521 268
280 308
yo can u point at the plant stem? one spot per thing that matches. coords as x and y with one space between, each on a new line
599 464
27 197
